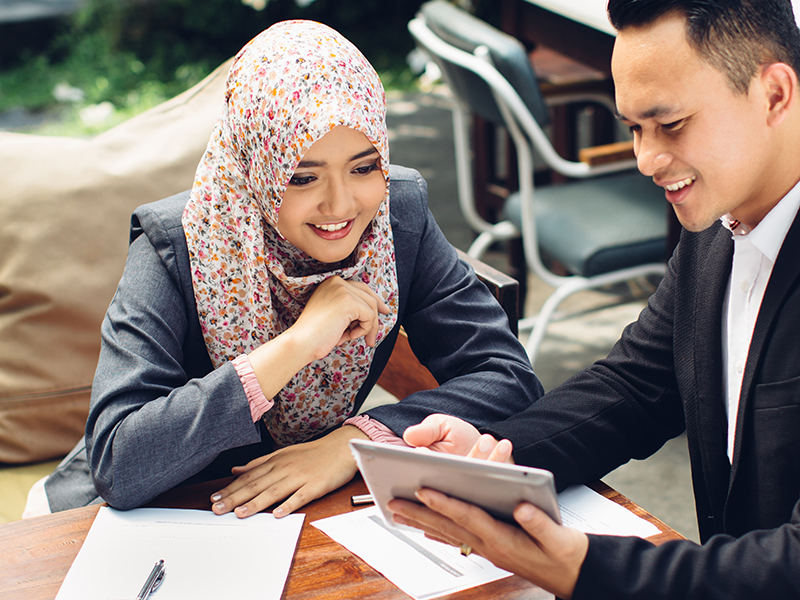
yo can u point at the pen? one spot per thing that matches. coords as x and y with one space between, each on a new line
361 499
153 580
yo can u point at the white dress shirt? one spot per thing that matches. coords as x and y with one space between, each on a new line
754 255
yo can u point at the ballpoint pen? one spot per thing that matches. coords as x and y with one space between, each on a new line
153 581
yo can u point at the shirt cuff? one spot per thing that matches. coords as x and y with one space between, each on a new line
252 389
375 430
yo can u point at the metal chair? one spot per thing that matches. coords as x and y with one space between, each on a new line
610 227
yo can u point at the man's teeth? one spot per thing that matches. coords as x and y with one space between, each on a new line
333 227
674 187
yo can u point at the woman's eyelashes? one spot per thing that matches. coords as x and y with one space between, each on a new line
302 179
367 169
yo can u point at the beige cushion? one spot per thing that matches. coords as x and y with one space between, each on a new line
65 207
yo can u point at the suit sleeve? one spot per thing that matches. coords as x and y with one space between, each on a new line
759 564
625 406
457 330
151 424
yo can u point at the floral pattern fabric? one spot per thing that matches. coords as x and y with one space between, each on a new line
286 89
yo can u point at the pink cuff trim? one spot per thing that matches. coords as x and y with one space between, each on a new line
377 431
255 395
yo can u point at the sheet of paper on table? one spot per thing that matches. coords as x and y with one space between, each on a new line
420 567
205 555
426 569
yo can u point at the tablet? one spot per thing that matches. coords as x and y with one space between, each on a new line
398 472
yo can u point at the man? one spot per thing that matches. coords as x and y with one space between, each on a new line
709 90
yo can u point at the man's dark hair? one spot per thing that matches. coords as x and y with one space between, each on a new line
736 37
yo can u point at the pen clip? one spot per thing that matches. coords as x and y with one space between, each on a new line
159 580
153 580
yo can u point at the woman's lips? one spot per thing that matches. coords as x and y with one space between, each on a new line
333 231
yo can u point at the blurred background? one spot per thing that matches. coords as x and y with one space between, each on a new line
77 67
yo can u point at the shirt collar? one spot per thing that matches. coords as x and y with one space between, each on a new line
769 234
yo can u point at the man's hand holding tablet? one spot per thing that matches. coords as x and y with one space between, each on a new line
536 547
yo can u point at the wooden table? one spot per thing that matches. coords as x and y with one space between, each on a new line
35 554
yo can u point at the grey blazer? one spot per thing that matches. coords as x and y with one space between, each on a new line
160 415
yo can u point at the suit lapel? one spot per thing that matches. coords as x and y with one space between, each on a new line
711 424
781 281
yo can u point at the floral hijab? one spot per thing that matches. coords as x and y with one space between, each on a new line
287 87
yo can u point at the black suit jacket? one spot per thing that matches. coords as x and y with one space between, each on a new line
664 376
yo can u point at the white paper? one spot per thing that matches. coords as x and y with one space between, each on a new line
422 568
426 569
205 555
586 510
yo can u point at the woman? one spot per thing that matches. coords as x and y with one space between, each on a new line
256 312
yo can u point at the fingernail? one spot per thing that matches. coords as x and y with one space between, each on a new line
399 520
216 497
278 513
525 513
219 506
484 445
241 510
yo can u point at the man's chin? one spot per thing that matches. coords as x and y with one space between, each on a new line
694 223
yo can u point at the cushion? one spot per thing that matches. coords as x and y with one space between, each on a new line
599 225
65 209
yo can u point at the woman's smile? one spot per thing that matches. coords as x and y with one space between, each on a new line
333 231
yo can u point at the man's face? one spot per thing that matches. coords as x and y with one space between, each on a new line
708 147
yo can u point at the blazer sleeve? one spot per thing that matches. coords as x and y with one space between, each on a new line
624 406
455 327
151 423
759 564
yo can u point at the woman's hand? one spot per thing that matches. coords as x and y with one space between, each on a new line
337 312
541 551
301 473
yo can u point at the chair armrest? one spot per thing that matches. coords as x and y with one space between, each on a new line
606 154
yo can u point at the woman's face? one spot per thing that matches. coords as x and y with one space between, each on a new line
333 195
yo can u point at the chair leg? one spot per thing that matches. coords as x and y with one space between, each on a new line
542 319
504 230
481 244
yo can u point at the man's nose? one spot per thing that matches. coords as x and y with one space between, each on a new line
651 156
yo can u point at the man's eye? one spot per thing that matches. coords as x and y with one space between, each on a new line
634 129
672 125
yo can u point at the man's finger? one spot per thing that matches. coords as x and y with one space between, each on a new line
431 430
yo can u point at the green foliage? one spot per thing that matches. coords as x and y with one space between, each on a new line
137 53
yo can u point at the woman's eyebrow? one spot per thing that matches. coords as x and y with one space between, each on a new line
304 164
372 150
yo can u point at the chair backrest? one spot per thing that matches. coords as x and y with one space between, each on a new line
465 31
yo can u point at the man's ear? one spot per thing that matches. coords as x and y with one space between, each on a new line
780 84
